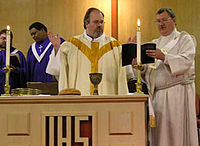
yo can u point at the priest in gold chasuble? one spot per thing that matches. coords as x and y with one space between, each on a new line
92 52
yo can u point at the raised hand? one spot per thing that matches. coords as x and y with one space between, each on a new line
55 40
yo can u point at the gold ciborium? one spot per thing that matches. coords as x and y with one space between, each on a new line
95 79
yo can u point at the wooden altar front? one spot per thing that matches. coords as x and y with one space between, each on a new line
73 121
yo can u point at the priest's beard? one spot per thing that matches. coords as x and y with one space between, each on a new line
98 32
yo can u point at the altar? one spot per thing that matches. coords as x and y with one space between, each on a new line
73 120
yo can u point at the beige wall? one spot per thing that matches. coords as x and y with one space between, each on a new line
65 17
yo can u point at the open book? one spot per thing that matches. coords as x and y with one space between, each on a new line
14 60
129 51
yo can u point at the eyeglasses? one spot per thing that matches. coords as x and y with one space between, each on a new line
164 20
98 22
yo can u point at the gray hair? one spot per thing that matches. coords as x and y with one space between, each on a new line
168 10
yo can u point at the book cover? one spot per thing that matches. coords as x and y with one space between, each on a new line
14 60
129 51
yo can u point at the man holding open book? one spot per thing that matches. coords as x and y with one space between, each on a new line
17 63
171 84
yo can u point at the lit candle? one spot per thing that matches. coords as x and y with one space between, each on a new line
8 46
138 42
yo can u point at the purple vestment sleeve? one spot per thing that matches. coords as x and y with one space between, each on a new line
2 76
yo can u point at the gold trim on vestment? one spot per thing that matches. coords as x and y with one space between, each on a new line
152 121
94 53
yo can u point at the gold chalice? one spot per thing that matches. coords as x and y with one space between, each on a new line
95 79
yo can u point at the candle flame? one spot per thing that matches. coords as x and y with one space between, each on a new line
138 22
8 27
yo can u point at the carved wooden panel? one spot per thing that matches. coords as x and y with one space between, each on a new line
120 123
73 121
68 130
18 123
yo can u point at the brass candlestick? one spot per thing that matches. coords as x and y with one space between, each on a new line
7 70
139 67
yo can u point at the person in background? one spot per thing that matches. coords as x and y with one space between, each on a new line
38 54
18 73
171 85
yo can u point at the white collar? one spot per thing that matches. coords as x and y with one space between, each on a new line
99 39
39 58
172 35
14 51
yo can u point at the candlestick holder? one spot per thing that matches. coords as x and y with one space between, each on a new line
139 67
7 70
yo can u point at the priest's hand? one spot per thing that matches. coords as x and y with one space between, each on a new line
131 40
157 54
55 40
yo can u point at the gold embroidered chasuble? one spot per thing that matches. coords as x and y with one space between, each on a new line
104 57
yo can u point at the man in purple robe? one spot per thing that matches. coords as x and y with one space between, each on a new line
38 54
18 74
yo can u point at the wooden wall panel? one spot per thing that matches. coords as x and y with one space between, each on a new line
129 12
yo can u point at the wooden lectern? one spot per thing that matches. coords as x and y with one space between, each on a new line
73 121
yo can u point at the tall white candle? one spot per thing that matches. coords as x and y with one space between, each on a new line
138 42
8 46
